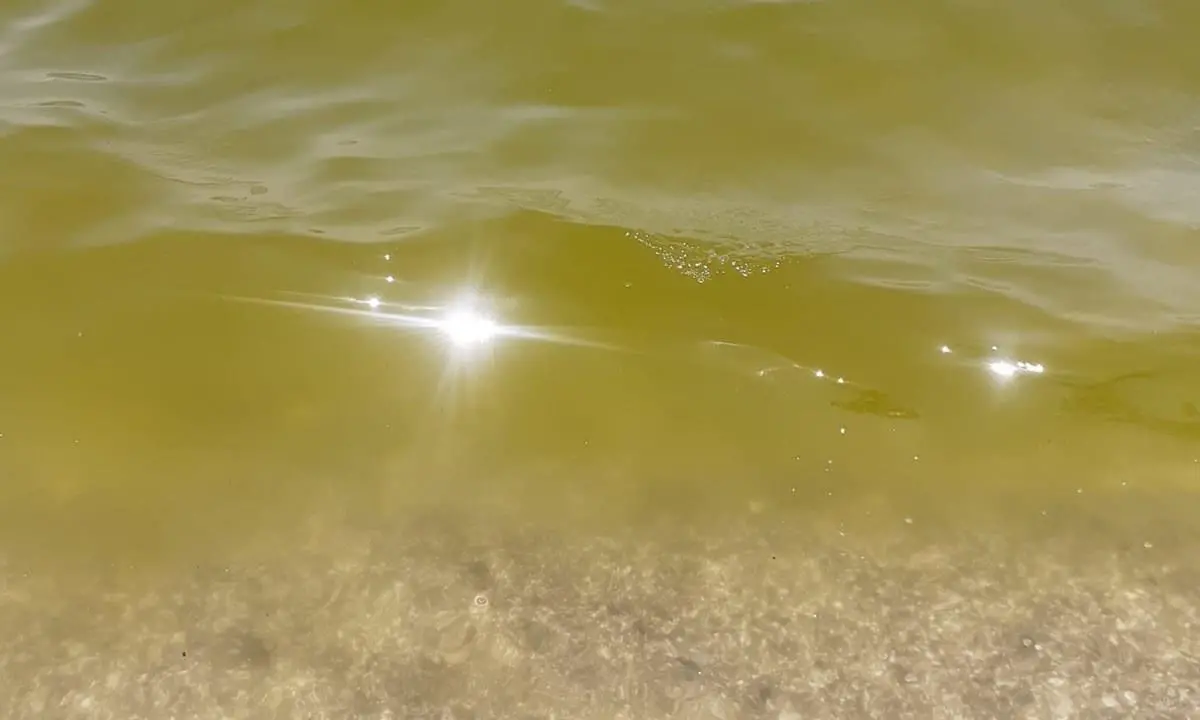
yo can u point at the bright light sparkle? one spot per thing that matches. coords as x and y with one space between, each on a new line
1006 368
465 327
462 324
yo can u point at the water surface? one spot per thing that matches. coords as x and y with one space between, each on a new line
925 271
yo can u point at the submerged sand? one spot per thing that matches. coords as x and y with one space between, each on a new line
449 614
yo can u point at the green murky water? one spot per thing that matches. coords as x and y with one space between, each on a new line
602 264
693 208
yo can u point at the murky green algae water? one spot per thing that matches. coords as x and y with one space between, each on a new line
638 279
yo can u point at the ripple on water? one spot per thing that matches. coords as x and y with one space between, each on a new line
597 114
63 190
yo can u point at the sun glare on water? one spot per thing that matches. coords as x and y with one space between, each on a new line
465 327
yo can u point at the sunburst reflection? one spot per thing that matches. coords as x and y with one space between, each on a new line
466 329
465 324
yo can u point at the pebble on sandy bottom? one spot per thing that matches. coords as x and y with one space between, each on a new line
426 621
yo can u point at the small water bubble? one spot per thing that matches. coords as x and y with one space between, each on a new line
908 521
481 600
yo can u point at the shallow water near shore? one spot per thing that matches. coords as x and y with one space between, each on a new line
766 615
599 359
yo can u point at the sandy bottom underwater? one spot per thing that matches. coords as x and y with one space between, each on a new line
451 614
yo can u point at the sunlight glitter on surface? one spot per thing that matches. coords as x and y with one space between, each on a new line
465 327
463 323
1001 368
1006 369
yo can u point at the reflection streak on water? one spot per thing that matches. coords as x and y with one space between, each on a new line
461 322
